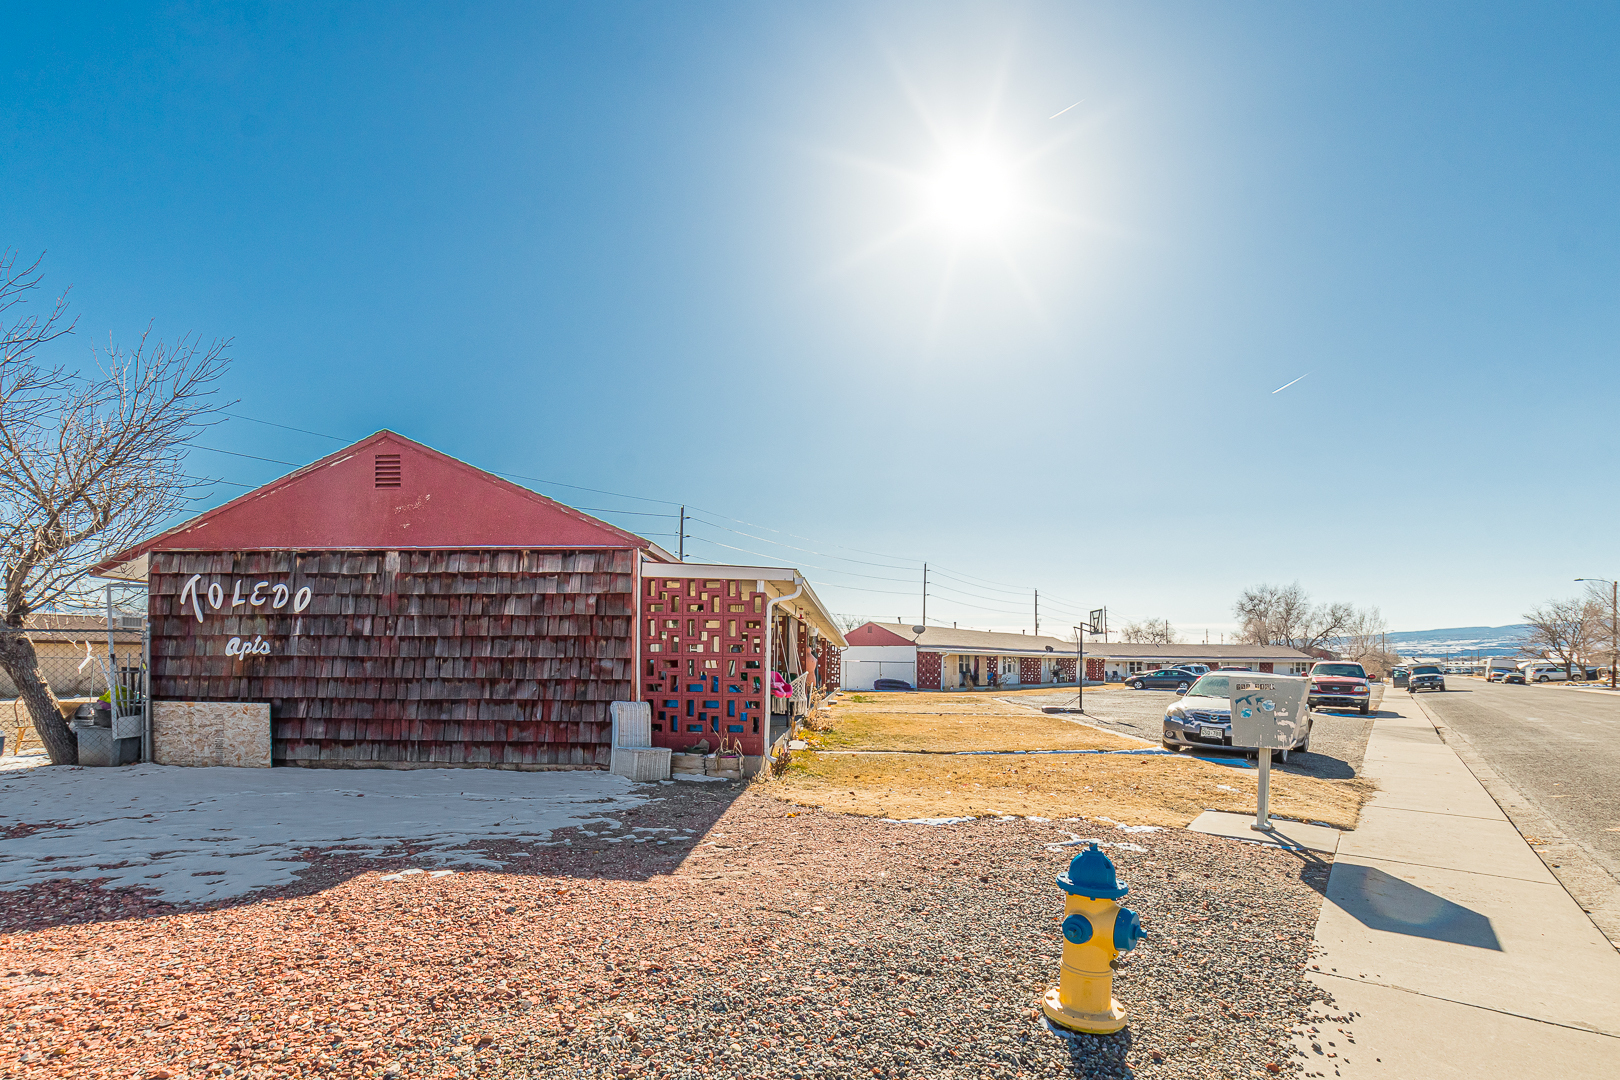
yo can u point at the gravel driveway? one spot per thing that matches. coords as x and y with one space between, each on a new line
1338 738
761 940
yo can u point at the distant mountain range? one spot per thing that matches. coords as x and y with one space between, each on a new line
1480 640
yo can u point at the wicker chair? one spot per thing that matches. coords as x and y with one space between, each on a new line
634 756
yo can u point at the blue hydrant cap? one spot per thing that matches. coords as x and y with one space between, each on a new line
1092 874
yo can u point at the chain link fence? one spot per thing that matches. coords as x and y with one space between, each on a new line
75 678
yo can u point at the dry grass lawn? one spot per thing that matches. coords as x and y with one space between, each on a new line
940 723
1152 789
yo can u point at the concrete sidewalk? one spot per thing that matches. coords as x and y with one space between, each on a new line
1445 939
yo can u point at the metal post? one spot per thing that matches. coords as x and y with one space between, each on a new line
1262 813
146 692
112 705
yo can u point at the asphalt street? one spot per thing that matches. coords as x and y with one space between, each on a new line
1559 748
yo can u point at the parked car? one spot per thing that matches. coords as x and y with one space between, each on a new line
1494 675
1337 684
1196 669
1544 671
1511 677
1426 677
891 684
1398 676
1164 679
1202 718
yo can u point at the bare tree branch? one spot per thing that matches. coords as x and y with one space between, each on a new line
90 464
1284 615
1150 632
1564 629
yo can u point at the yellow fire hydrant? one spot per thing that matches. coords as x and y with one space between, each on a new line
1095 931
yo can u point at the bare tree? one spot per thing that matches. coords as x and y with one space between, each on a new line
846 623
90 463
1362 640
1150 632
1603 600
1284 615
1564 629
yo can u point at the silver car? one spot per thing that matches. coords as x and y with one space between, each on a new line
1202 718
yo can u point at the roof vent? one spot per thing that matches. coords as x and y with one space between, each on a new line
386 474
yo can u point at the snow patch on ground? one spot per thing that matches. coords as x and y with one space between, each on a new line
209 834
1076 841
928 820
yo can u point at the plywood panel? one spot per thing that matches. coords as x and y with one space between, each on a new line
227 733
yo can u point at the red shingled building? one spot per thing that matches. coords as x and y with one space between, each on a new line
399 608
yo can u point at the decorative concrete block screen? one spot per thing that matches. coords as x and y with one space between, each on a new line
704 653
830 666
404 659
230 733
929 668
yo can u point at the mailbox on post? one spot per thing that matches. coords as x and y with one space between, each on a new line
1269 713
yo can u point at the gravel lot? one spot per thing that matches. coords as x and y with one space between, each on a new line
762 942
1338 739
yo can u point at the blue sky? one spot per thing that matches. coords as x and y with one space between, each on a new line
836 270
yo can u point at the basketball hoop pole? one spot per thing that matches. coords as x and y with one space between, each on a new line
1080 669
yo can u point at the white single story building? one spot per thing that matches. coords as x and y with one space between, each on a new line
945 658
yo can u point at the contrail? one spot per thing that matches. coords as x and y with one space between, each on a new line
1060 112
1286 385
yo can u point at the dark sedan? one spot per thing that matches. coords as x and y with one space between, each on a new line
1512 677
1163 679
1425 677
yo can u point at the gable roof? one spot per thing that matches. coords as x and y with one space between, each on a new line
385 492
948 638
1131 650
993 643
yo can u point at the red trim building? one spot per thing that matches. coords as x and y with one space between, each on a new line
399 608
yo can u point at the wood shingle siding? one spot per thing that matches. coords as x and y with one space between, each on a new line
495 658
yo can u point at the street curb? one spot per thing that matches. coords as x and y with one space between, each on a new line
1587 883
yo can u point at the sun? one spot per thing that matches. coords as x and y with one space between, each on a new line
972 194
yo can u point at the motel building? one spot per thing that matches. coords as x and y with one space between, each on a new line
391 607
945 658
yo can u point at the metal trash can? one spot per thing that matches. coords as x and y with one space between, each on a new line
127 733
97 747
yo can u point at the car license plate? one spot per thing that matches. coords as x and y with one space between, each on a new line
1211 732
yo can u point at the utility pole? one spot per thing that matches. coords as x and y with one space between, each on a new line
682 546
925 594
1037 613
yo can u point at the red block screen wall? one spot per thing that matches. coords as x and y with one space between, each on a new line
929 667
830 666
703 671
1029 669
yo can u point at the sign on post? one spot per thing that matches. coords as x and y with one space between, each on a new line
1268 713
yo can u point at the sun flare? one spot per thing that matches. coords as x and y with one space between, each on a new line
972 194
